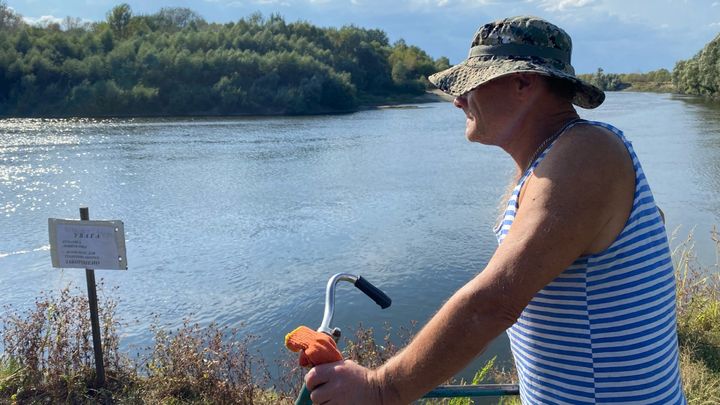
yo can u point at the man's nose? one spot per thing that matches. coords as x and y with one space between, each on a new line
460 102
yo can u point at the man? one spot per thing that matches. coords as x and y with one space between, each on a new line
582 280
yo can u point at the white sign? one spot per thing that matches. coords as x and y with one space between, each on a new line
87 244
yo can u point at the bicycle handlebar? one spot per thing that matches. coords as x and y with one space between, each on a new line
373 292
380 298
362 284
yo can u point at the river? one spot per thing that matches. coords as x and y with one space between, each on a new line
242 220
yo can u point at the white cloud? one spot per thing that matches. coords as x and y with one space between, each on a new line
446 3
715 25
715 4
243 3
43 21
412 4
562 5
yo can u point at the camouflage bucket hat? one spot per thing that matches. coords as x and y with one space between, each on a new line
516 45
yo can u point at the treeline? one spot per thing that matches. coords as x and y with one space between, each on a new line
657 80
174 62
700 75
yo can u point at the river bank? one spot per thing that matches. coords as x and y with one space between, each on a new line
365 104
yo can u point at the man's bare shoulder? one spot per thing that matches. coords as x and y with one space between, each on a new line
590 166
590 151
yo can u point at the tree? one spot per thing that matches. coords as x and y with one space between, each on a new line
173 19
107 41
119 20
607 81
73 23
174 62
410 67
442 63
700 75
9 19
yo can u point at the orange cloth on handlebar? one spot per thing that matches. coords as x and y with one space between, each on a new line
315 347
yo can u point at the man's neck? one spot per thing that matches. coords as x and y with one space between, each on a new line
534 129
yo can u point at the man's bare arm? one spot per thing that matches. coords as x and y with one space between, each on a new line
570 202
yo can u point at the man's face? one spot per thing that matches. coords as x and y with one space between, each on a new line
486 109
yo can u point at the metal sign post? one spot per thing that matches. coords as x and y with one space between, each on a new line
90 245
94 319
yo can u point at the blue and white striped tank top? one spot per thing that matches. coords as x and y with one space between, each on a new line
604 331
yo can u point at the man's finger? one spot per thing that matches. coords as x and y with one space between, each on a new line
313 379
320 395
319 375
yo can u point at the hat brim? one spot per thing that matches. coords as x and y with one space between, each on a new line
473 72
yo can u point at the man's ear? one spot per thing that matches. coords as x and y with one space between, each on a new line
527 86
524 81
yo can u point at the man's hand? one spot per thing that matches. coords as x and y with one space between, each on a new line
343 382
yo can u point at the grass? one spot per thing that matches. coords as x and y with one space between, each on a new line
48 358
48 354
698 310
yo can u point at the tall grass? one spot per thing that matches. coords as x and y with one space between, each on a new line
48 356
48 353
210 364
698 310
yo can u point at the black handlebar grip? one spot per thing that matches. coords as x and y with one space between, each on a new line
373 292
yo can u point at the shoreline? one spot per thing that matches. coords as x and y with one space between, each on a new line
430 96
403 101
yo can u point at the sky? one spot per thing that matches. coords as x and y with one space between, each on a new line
620 36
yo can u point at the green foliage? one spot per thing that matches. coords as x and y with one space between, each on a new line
48 358
173 19
119 19
700 75
655 81
478 378
9 19
48 352
605 81
411 66
698 312
655 76
173 62
209 364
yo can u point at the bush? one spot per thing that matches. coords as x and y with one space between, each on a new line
208 364
48 351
